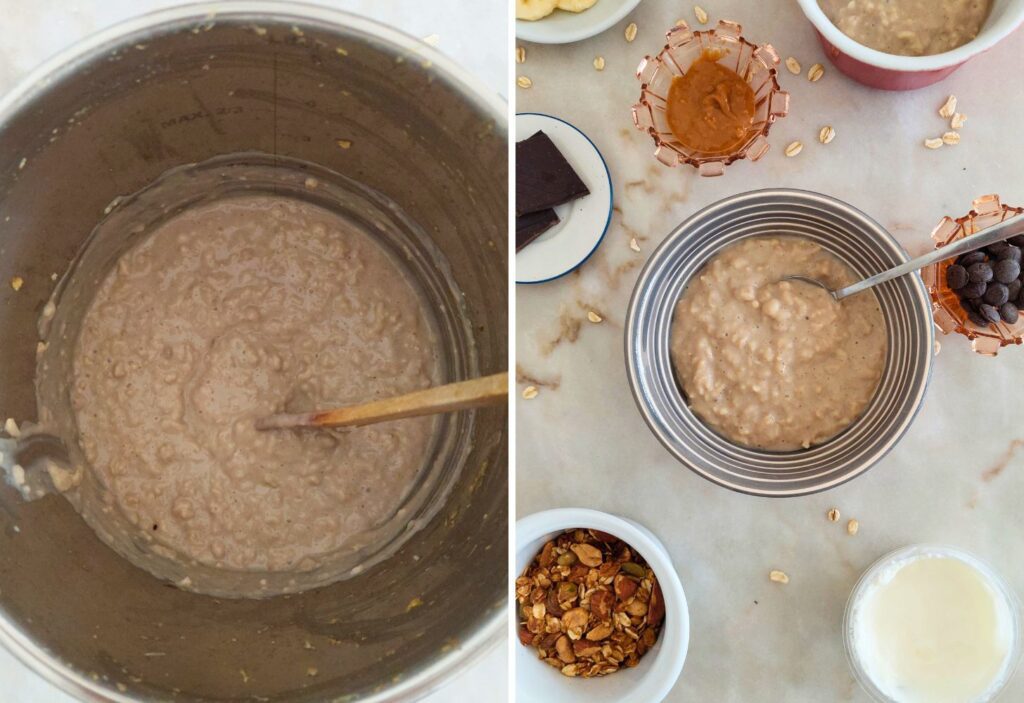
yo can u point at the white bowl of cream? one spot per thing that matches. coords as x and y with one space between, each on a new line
932 624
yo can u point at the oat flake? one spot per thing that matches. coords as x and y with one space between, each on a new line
794 66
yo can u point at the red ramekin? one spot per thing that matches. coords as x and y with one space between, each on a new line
891 72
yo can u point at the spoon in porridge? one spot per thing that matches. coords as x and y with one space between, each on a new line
1009 227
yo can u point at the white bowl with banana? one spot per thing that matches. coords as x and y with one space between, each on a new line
565 21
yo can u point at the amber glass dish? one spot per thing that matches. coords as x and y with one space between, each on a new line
756 64
949 316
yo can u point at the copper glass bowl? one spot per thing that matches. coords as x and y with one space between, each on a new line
756 64
857 241
949 316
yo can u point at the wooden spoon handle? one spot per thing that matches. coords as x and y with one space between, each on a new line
488 390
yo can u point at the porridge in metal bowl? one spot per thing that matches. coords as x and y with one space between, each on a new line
772 364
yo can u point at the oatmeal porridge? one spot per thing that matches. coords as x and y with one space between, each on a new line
772 364
233 310
908 27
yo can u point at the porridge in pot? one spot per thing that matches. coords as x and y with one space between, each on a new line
908 27
233 310
777 365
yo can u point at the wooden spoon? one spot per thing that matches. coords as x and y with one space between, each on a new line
489 390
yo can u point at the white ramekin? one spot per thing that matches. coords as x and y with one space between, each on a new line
652 679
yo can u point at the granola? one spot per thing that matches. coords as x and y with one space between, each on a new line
589 604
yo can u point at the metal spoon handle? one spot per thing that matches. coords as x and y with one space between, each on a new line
1009 227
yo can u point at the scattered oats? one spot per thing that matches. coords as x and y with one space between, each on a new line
794 66
523 82
594 317
815 72
958 120
17 282
680 23
344 143
933 143
414 603
431 40
634 245
794 149
827 134
778 576
948 108
599 63
530 392
938 347
700 14
340 51
852 526
312 671
21 164
630 32
951 138
520 54
245 675
11 428
833 515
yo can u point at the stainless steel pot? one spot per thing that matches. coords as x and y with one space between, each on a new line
182 86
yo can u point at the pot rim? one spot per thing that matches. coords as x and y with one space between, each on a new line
38 80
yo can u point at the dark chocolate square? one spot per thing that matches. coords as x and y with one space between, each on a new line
532 225
544 178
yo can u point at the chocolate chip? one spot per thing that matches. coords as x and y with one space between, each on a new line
972 257
1011 252
980 272
1009 313
1006 270
989 312
996 294
956 276
972 290
1013 289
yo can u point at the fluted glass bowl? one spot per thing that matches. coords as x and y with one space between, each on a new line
756 64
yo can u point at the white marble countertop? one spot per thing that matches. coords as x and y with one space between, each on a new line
473 33
957 477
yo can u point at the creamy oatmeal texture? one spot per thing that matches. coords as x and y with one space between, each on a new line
908 27
774 364
230 311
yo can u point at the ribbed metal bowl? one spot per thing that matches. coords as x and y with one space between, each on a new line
860 243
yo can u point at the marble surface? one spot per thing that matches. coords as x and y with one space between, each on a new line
957 477
474 34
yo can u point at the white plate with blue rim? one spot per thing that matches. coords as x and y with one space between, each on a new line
582 222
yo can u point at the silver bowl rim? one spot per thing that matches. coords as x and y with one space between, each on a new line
657 259
37 81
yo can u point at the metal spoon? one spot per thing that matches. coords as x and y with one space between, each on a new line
1009 227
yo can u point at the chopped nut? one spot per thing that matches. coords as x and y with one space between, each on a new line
524 82
833 515
933 143
827 134
530 392
634 245
344 143
815 72
951 138
700 14
794 149
520 54
599 63
414 603
312 671
778 576
958 120
794 66
594 317
852 526
17 282
948 108
596 616
630 31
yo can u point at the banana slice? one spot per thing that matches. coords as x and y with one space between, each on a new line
576 5
534 9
